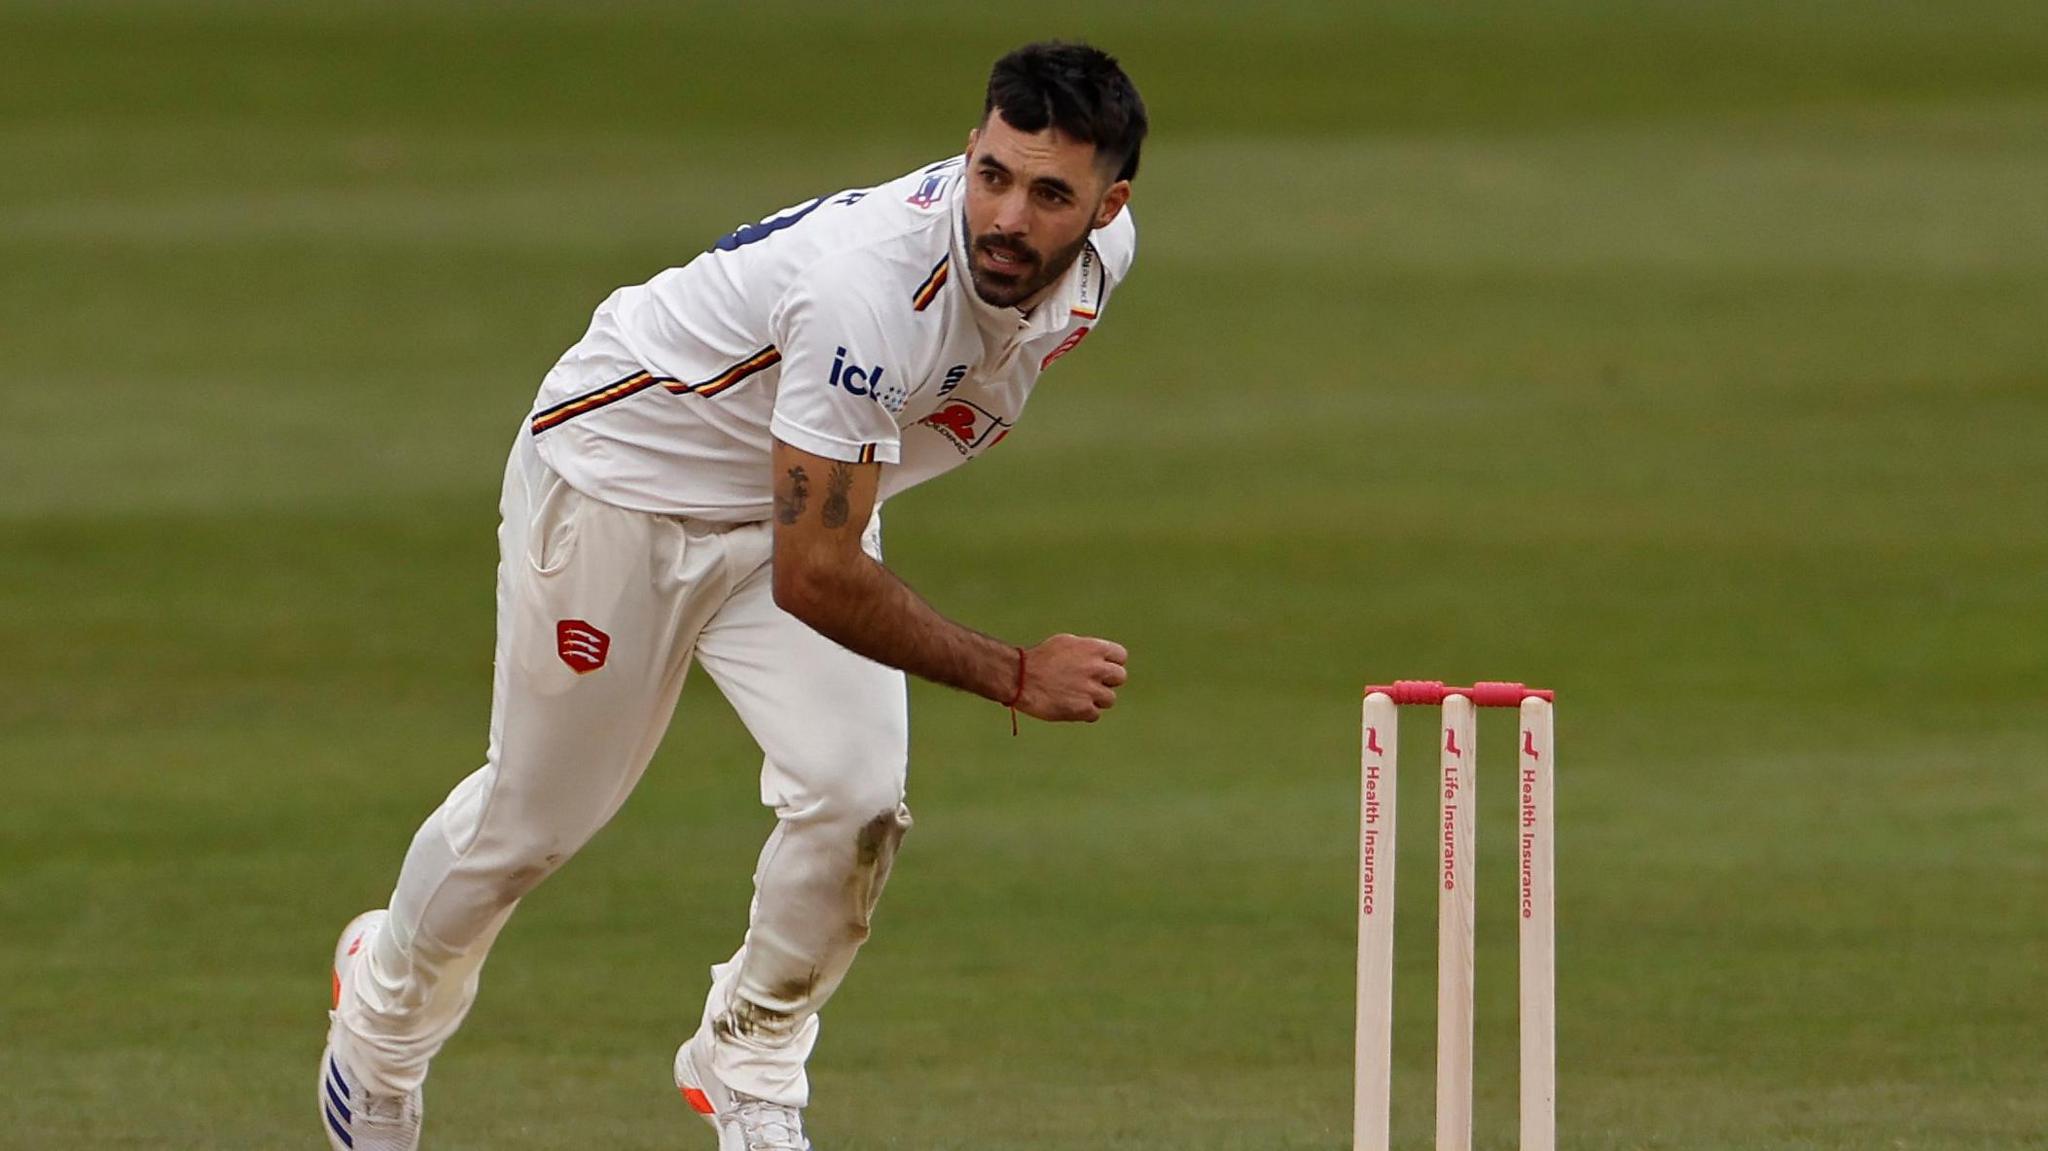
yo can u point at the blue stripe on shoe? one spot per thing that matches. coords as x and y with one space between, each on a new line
334 1077
340 1132
339 1106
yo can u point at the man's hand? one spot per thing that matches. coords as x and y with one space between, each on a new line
1072 677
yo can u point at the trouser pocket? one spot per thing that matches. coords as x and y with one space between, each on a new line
551 521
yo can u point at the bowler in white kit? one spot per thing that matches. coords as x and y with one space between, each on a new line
701 477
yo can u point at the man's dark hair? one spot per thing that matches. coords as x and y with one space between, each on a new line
1075 88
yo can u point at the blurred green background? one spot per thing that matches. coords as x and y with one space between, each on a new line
1688 357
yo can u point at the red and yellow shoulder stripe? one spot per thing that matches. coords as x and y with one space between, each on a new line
929 290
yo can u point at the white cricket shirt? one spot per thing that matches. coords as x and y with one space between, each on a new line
846 326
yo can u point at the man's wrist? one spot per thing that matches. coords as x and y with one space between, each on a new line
1017 691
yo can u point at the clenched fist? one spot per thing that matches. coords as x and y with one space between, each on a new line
1072 677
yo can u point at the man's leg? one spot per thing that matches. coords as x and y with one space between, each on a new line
597 607
834 729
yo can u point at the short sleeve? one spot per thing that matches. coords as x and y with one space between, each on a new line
842 383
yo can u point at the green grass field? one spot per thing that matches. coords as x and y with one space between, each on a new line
1688 357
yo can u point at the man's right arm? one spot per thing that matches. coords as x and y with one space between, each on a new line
824 578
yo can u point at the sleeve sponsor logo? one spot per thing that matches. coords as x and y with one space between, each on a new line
1066 345
968 427
855 380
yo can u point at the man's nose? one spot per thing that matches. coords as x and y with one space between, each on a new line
1011 214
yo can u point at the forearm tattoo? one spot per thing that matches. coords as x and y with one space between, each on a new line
789 504
837 485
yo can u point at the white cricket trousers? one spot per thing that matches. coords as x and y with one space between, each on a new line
579 582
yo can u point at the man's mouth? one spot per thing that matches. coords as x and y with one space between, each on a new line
1006 260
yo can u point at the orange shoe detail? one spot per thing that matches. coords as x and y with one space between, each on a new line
354 945
698 1101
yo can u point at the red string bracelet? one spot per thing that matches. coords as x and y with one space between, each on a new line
1018 695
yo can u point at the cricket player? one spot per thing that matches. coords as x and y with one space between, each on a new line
700 478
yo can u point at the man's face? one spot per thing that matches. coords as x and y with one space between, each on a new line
1032 199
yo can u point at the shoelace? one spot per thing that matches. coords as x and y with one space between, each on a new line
770 1126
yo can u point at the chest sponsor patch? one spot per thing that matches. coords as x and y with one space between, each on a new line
1066 345
582 646
968 427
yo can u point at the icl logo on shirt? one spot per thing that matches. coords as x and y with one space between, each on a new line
858 381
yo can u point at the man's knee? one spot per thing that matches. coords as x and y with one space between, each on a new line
847 786
490 824
875 846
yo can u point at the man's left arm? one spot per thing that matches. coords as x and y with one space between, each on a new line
824 578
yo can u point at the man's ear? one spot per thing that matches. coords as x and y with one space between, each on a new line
1113 201
973 134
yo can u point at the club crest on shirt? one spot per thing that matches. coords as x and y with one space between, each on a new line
968 427
931 191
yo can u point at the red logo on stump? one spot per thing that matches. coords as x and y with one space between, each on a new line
581 646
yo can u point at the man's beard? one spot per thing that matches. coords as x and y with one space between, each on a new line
1005 290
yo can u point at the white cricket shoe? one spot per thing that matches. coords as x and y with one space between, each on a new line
743 1122
357 1120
